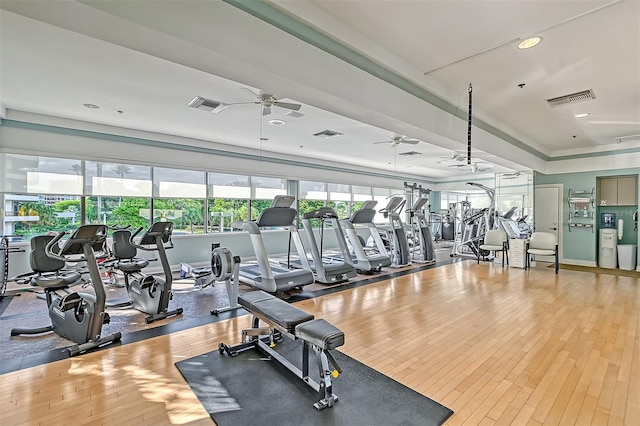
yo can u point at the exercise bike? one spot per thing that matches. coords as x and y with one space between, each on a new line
147 293
76 316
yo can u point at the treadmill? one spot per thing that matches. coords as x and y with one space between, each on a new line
263 274
328 271
365 259
423 251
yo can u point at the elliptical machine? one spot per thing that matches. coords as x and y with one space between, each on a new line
147 293
76 316
399 246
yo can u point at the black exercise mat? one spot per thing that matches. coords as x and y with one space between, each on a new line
251 390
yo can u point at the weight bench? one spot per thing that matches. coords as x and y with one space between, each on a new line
285 319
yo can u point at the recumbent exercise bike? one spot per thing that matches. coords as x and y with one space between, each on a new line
76 316
147 293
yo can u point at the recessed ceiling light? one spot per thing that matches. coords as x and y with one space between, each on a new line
91 106
584 114
276 122
530 42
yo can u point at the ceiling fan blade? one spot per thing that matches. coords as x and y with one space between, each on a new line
375 143
410 141
266 110
244 103
257 95
287 105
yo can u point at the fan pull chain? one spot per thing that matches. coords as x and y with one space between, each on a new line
469 127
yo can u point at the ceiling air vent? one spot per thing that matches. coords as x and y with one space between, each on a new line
409 153
295 114
208 105
328 134
585 95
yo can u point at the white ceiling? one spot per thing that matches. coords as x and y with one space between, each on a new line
149 59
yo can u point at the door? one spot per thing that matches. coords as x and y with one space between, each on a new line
546 215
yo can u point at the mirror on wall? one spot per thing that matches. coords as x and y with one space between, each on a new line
514 197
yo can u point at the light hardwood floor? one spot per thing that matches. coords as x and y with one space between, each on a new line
497 346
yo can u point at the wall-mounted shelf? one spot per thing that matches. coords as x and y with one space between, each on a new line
581 206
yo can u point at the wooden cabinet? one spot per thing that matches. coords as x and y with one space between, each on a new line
618 191
628 191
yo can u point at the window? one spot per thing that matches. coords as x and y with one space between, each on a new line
265 188
381 195
24 174
119 211
112 179
361 193
312 190
30 215
264 191
339 199
229 200
181 195
187 214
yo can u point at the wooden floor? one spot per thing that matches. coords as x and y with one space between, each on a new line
497 346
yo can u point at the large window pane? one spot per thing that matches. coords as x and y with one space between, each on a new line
339 192
340 207
173 183
308 206
361 193
187 214
116 179
25 174
381 195
222 185
257 206
224 211
119 211
312 190
30 215
265 188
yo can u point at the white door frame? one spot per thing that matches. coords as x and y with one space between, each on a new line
560 188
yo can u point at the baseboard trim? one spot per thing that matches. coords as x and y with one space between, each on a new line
579 262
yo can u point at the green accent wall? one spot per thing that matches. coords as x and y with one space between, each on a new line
581 243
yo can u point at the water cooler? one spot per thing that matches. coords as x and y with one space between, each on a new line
608 254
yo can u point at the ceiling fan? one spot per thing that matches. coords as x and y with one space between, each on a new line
398 139
456 157
267 100
473 167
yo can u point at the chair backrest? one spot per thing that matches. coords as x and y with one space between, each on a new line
38 258
495 237
122 247
543 240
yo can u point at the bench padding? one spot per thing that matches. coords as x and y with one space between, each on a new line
274 310
320 333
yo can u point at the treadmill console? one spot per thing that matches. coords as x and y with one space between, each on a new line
283 201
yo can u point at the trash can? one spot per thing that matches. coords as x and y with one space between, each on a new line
627 256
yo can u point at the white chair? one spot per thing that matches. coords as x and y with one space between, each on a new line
542 244
495 240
